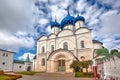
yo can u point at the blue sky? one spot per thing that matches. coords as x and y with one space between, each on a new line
22 22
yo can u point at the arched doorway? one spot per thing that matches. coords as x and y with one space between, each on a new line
28 68
59 61
61 65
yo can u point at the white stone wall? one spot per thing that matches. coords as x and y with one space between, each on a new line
28 64
6 61
34 65
55 30
112 68
18 67
97 46
79 24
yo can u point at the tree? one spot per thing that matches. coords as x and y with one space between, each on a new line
76 65
79 65
114 51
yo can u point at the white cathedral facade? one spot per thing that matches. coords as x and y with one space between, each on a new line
68 41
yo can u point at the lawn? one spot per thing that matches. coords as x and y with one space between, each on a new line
26 73
3 77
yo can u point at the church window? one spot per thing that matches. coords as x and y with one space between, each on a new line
79 24
3 54
65 45
6 54
42 50
3 63
43 62
82 44
52 48
20 66
82 58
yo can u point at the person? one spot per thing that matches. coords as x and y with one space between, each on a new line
105 78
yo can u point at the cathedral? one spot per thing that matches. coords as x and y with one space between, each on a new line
69 40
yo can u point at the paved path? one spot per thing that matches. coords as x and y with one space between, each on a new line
53 76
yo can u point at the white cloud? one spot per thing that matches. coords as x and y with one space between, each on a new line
43 21
109 29
16 22
110 23
16 15
60 14
81 5
24 56
114 3
12 42
48 29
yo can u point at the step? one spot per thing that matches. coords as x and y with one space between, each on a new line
56 74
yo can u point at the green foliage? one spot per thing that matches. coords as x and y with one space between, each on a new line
19 61
84 75
26 73
102 51
79 65
76 65
114 51
85 64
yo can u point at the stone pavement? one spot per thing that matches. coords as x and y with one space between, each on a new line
53 76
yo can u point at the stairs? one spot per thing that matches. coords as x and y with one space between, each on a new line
55 74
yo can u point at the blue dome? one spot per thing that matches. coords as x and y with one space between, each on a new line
54 24
67 20
79 18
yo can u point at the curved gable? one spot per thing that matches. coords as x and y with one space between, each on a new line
65 32
42 38
52 36
61 52
82 30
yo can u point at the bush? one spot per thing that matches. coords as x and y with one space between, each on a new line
82 74
26 73
76 65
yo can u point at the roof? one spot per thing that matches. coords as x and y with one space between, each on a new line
19 61
67 20
54 24
7 51
27 59
96 41
79 18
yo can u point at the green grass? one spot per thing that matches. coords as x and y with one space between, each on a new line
3 77
84 75
9 77
26 73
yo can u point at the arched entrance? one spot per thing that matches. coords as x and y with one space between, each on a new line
61 65
59 61
28 68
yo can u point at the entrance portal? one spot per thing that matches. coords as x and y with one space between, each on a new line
61 65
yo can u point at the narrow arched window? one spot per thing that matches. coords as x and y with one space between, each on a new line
52 48
43 50
82 44
43 62
3 54
65 45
